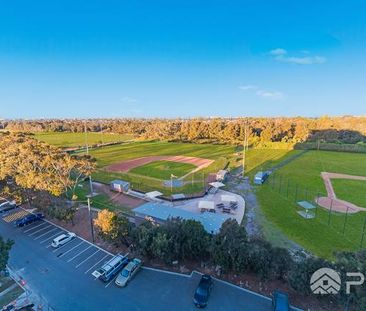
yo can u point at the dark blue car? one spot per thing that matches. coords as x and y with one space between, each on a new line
26 220
203 291
280 301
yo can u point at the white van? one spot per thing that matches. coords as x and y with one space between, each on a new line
63 239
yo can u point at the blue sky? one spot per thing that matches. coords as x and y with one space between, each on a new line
182 58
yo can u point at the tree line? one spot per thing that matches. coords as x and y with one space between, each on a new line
230 251
41 175
346 129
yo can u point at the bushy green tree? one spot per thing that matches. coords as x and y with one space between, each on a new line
5 247
230 247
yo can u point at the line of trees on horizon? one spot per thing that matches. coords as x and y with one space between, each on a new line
345 129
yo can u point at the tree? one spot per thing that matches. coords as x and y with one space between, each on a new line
142 237
5 247
113 227
107 223
124 230
299 276
230 246
37 166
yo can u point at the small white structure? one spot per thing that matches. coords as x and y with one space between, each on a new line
153 194
228 198
221 175
120 185
206 205
217 184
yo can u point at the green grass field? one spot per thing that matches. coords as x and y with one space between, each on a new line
264 159
163 169
353 191
300 180
222 154
64 139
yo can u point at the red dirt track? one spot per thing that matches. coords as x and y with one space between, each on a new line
331 201
125 166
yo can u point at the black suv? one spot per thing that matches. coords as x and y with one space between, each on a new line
26 220
203 291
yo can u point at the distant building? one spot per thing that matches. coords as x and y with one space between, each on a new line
221 175
120 185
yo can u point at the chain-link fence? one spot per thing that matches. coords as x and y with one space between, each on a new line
344 220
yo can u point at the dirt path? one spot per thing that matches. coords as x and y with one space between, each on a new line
331 201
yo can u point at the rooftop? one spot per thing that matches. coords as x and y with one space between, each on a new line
211 221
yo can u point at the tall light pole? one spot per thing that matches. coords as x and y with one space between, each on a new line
245 146
90 219
87 152
86 139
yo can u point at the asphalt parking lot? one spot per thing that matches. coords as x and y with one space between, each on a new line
63 276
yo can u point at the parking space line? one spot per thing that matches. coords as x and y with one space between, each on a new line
62 246
51 237
70 249
111 281
25 231
79 264
35 232
45 233
96 263
71 259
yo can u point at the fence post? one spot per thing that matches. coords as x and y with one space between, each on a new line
288 183
273 181
363 233
279 190
330 211
345 221
297 188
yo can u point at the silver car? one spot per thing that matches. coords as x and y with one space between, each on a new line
128 272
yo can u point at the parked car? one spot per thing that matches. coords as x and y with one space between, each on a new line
62 239
111 268
203 291
128 272
3 201
280 301
7 206
26 220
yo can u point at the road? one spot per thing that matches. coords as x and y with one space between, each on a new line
63 277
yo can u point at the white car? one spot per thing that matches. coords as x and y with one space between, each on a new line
63 239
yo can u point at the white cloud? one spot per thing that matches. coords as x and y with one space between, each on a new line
308 60
278 52
248 87
281 55
274 95
129 100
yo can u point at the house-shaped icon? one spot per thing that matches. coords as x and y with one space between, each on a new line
326 284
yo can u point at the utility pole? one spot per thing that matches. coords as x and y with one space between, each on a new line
86 139
245 146
87 152
91 219
101 132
